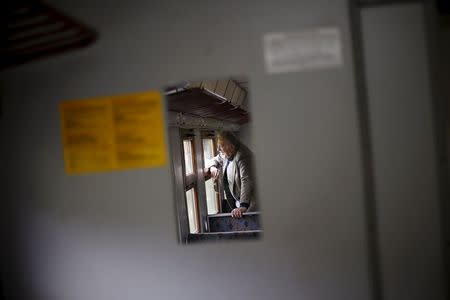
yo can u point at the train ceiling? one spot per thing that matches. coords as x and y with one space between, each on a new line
216 99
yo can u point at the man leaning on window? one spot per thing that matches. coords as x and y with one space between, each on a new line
233 167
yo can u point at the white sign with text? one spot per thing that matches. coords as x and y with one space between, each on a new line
316 48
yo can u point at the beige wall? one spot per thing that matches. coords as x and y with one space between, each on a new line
404 151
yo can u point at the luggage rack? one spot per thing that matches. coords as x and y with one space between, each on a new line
203 103
35 30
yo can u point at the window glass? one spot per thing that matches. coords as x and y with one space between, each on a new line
211 195
208 150
188 157
192 211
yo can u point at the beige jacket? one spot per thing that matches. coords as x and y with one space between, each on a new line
240 176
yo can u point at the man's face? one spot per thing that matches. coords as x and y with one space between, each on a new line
226 148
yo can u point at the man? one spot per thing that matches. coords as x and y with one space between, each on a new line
233 165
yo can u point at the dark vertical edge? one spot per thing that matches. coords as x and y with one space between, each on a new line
201 189
175 158
440 118
169 149
366 151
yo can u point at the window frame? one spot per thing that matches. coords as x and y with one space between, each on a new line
183 182
191 180
197 179
211 134
188 137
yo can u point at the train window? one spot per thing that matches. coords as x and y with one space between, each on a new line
208 149
212 196
188 156
191 203
190 182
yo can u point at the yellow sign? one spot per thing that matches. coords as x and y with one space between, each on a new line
113 133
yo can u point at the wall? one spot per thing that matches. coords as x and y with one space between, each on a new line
246 130
404 153
113 235
245 135
444 74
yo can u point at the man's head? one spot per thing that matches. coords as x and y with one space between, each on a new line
227 143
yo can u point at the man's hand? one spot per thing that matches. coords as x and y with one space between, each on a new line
237 212
214 172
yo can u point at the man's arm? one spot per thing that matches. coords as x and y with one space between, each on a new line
217 161
214 166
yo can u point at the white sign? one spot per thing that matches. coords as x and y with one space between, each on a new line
303 50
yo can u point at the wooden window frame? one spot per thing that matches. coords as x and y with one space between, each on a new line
210 134
196 180
191 180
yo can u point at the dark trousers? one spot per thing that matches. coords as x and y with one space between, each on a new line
228 205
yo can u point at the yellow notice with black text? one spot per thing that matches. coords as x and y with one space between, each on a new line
113 133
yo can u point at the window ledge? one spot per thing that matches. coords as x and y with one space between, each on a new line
225 223
218 236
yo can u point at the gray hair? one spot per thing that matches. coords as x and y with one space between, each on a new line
229 136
